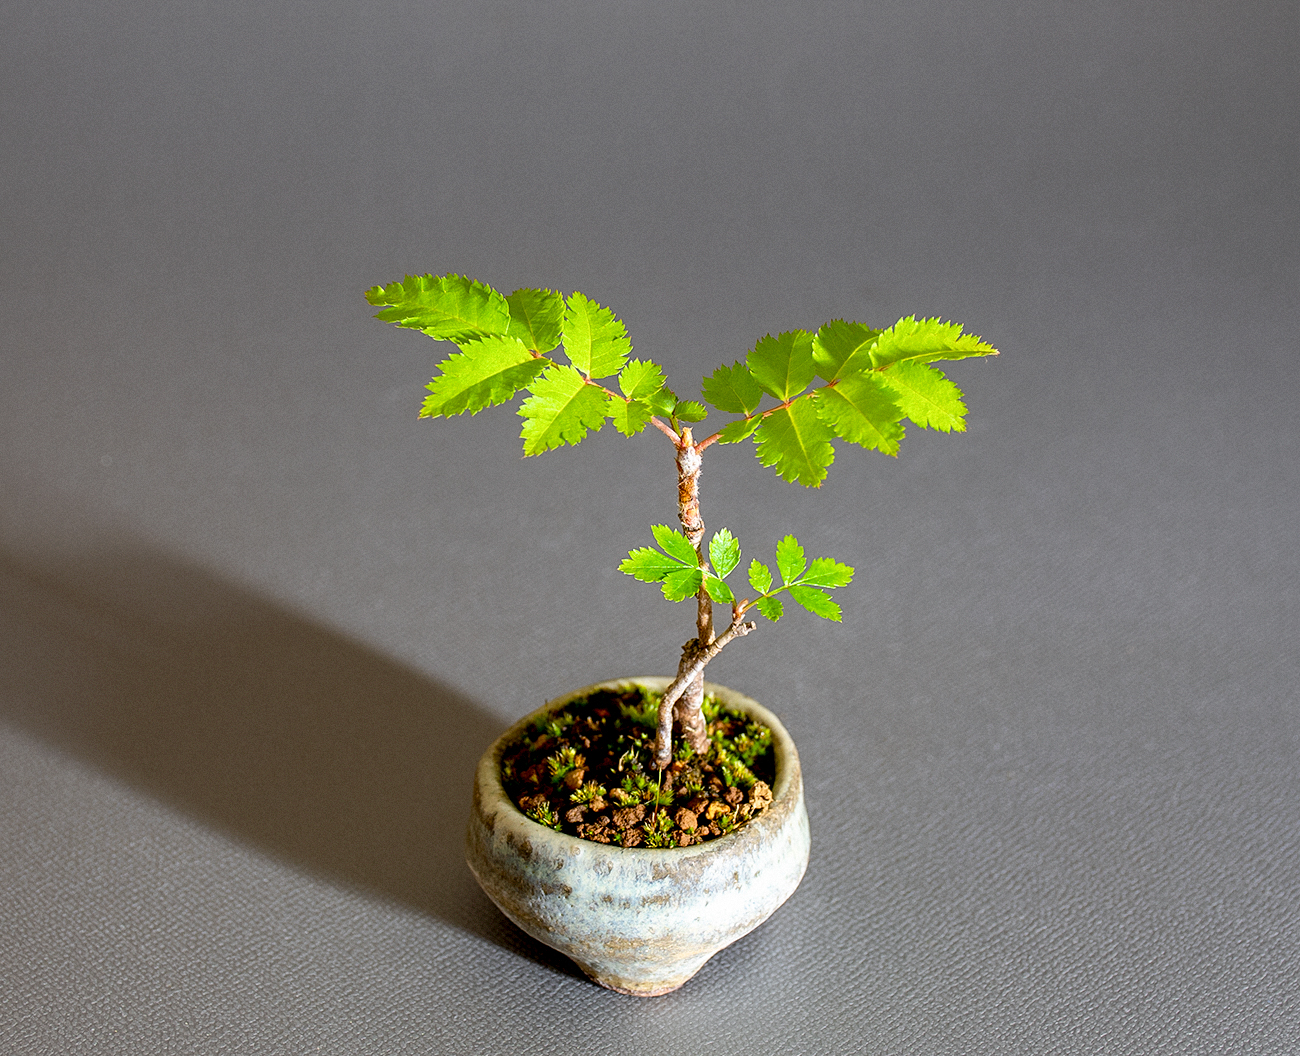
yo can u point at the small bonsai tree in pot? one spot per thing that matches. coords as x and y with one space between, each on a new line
795 395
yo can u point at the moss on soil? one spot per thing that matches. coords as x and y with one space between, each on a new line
585 770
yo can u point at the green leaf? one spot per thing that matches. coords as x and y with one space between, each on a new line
718 591
769 607
662 402
823 572
594 340
641 379
733 389
648 565
783 365
841 349
629 416
926 397
682 583
563 408
760 576
912 340
738 430
487 372
816 602
724 552
862 410
790 559
446 307
690 411
676 545
796 442
536 318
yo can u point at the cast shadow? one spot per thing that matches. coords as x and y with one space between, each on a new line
283 733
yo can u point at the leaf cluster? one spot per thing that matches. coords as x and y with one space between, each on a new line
871 380
511 343
681 573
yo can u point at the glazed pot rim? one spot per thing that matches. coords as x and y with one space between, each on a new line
787 792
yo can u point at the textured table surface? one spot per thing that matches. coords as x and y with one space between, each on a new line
257 621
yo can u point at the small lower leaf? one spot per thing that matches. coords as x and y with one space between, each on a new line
690 411
676 545
718 591
682 583
629 416
769 607
648 565
738 430
817 602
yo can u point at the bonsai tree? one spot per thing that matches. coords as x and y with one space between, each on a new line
845 382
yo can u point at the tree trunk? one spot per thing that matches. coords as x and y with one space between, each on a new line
686 711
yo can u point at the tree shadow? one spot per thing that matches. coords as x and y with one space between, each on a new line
285 734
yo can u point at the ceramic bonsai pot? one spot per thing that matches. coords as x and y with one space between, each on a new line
637 920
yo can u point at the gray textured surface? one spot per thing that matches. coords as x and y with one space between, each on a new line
257 622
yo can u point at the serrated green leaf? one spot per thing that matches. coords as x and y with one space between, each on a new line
648 565
783 365
724 552
563 408
816 602
862 410
536 318
641 379
841 349
676 545
690 411
760 576
790 560
629 416
733 389
446 307
823 572
769 607
926 396
912 340
718 591
662 402
595 341
796 443
682 583
486 372
738 430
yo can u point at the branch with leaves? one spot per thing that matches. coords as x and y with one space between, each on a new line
795 394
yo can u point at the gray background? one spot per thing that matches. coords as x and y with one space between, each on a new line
257 621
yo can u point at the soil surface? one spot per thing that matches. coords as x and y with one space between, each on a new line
586 771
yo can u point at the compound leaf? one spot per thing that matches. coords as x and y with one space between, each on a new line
769 607
790 559
760 576
595 341
796 443
823 572
912 340
926 396
648 565
783 365
641 379
446 307
841 349
562 409
718 591
676 545
733 389
682 583
629 416
536 318
738 430
724 552
862 410
816 602
487 371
